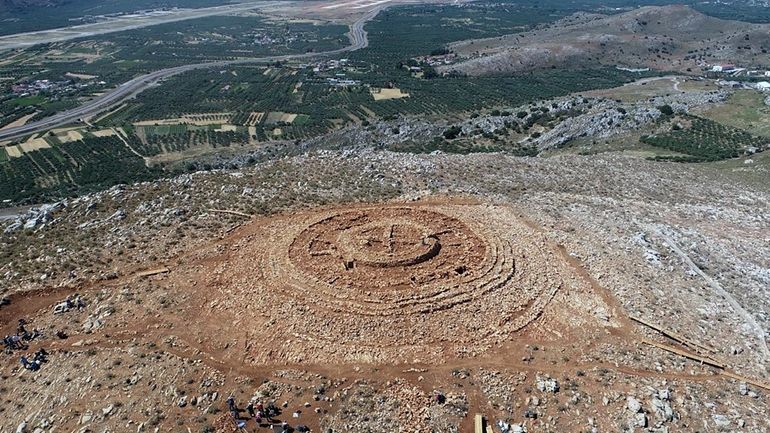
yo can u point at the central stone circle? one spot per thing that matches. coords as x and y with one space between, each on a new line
387 244
388 250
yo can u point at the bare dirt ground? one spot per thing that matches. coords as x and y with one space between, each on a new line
373 289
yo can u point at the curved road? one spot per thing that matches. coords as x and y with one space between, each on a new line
358 40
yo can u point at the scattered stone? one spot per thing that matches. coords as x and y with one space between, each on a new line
633 405
547 384
640 419
86 418
661 406
91 324
721 420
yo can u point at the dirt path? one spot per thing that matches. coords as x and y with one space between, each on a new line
120 136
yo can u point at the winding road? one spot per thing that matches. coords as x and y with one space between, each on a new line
358 40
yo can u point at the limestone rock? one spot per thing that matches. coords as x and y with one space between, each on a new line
633 405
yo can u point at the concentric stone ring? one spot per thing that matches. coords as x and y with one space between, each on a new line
386 282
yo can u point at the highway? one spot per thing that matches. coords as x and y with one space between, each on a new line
358 40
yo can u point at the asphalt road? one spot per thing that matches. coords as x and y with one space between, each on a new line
129 89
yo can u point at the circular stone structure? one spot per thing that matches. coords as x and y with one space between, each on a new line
386 261
386 282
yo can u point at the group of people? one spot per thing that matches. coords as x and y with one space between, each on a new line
70 303
258 412
19 340
38 359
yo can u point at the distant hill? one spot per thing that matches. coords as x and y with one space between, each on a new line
17 16
21 4
669 38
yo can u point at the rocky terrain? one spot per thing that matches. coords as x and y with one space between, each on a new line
534 268
682 247
539 127
667 38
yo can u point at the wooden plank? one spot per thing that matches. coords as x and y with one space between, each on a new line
686 354
231 212
709 361
478 423
748 380
149 272
672 335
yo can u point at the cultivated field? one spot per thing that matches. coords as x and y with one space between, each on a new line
384 94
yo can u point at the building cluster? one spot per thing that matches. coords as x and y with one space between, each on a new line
342 82
45 86
437 60
266 39
735 71
334 72
762 86
329 65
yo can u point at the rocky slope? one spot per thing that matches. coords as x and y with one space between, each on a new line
664 38
643 232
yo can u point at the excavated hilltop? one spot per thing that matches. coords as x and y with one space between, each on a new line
375 291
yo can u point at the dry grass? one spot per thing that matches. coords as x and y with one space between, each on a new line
21 121
383 94
34 144
745 109
13 151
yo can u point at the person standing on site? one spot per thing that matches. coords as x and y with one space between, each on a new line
232 408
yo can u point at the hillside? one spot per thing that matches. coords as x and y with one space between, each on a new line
668 38
18 16
22 4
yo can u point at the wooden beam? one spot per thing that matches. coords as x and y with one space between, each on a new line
709 361
478 423
149 272
232 212
686 354
672 335
748 380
